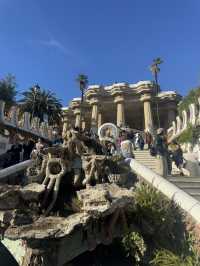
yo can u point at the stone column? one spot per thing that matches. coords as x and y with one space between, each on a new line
2 107
83 125
100 122
171 116
94 117
77 113
119 100
148 119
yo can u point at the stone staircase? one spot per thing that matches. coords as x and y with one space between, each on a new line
190 185
146 159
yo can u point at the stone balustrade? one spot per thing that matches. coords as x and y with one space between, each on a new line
188 117
25 126
4 173
190 205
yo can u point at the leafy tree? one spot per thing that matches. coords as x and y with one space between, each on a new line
192 97
38 102
83 82
8 90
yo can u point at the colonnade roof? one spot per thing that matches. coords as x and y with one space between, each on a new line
123 88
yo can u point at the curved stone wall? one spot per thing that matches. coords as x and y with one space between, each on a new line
25 126
188 117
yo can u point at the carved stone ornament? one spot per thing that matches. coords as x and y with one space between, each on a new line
109 132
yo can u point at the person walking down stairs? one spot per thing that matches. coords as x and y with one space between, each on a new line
176 155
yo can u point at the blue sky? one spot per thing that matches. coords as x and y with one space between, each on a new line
51 41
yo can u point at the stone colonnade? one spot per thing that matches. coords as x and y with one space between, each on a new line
125 97
96 112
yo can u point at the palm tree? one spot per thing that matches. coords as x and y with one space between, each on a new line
155 70
8 90
38 102
83 82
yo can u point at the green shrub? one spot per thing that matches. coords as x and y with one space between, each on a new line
192 97
162 228
135 246
191 134
167 258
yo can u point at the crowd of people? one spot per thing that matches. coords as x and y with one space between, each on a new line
17 153
126 143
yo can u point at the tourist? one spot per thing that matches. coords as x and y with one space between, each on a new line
136 141
148 139
160 142
27 148
139 141
177 156
127 147
161 149
39 145
111 149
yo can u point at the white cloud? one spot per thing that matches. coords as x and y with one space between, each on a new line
53 43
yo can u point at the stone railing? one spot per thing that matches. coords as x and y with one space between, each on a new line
26 126
190 205
4 173
188 117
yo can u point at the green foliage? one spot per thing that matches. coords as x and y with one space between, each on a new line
191 134
161 214
192 97
162 228
154 67
38 102
168 258
134 246
187 135
8 90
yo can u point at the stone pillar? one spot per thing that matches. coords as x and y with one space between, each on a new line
148 119
94 114
83 124
119 100
2 107
95 108
171 116
100 122
77 113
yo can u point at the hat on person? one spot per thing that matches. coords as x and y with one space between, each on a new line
160 131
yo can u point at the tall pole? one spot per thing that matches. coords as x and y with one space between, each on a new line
155 69
157 107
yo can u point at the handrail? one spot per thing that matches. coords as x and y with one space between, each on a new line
189 204
15 168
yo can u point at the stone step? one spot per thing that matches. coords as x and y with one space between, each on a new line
145 160
183 179
196 196
185 184
191 185
145 156
190 190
